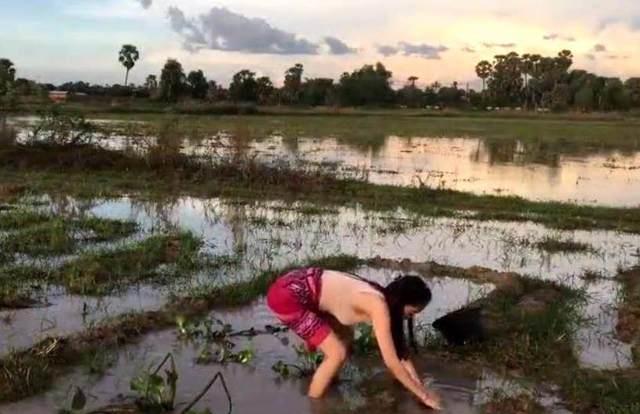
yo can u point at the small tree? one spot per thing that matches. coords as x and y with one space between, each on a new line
198 84
7 75
172 81
244 86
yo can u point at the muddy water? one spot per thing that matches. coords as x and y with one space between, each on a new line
273 235
255 388
64 314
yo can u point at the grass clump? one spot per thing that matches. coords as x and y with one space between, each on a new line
556 245
628 326
16 289
61 236
24 375
521 404
18 219
100 273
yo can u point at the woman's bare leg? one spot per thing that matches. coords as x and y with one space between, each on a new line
335 354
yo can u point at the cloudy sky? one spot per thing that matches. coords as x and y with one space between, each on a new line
61 40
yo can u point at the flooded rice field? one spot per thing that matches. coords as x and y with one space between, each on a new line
475 165
69 266
271 235
515 162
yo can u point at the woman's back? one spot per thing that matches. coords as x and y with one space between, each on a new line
338 294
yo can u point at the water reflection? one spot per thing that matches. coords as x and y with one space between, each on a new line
268 235
536 166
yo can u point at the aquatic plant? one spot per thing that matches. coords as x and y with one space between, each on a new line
306 364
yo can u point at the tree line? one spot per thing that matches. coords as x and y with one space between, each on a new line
527 81
535 81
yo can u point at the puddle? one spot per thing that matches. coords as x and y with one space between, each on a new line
364 384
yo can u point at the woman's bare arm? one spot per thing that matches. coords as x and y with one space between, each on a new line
377 309
411 369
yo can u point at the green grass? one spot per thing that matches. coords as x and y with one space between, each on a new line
103 272
541 134
20 218
331 193
17 286
50 235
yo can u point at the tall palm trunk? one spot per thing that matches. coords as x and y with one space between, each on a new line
126 78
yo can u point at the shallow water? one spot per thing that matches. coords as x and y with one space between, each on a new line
266 235
255 388
66 314
506 167
560 169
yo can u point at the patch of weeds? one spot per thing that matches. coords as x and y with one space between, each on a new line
5 257
593 275
18 284
306 364
100 273
539 345
50 239
263 222
22 376
557 245
20 219
106 229
60 236
224 354
521 404
602 392
628 326
364 341
157 394
98 361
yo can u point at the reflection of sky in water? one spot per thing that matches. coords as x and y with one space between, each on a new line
502 167
535 170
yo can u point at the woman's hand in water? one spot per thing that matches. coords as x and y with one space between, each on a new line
431 400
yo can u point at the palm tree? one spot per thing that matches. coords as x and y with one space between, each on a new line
128 56
412 81
483 70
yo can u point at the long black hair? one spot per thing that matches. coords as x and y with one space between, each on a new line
404 291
